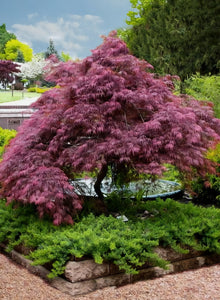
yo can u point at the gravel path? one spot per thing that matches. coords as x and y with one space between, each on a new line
16 283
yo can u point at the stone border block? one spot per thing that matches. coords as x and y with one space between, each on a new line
86 276
82 270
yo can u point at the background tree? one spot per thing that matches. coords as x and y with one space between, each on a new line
51 50
65 57
34 69
177 37
5 36
7 72
109 112
14 48
20 57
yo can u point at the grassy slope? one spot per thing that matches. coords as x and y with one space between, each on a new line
17 95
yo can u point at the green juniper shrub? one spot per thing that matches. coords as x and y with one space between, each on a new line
118 201
105 238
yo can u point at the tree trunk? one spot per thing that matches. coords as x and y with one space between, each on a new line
101 175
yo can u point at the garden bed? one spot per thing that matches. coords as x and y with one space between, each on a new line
85 276
157 237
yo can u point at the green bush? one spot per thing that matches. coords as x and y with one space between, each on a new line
40 90
5 136
32 89
105 238
208 191
205 88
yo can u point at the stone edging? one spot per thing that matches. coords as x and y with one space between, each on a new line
83 277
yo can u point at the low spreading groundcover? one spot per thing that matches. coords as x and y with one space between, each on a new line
107 238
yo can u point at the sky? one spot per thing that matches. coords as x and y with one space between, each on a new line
75 26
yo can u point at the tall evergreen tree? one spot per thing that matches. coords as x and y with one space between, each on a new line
20 57
51 50
178 37
5 36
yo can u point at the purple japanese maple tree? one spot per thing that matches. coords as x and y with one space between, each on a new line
7 70
108 111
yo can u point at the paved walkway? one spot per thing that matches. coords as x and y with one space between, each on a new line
25 101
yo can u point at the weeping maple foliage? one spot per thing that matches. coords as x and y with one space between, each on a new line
108 111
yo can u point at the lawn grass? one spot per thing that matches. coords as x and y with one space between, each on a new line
6 96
